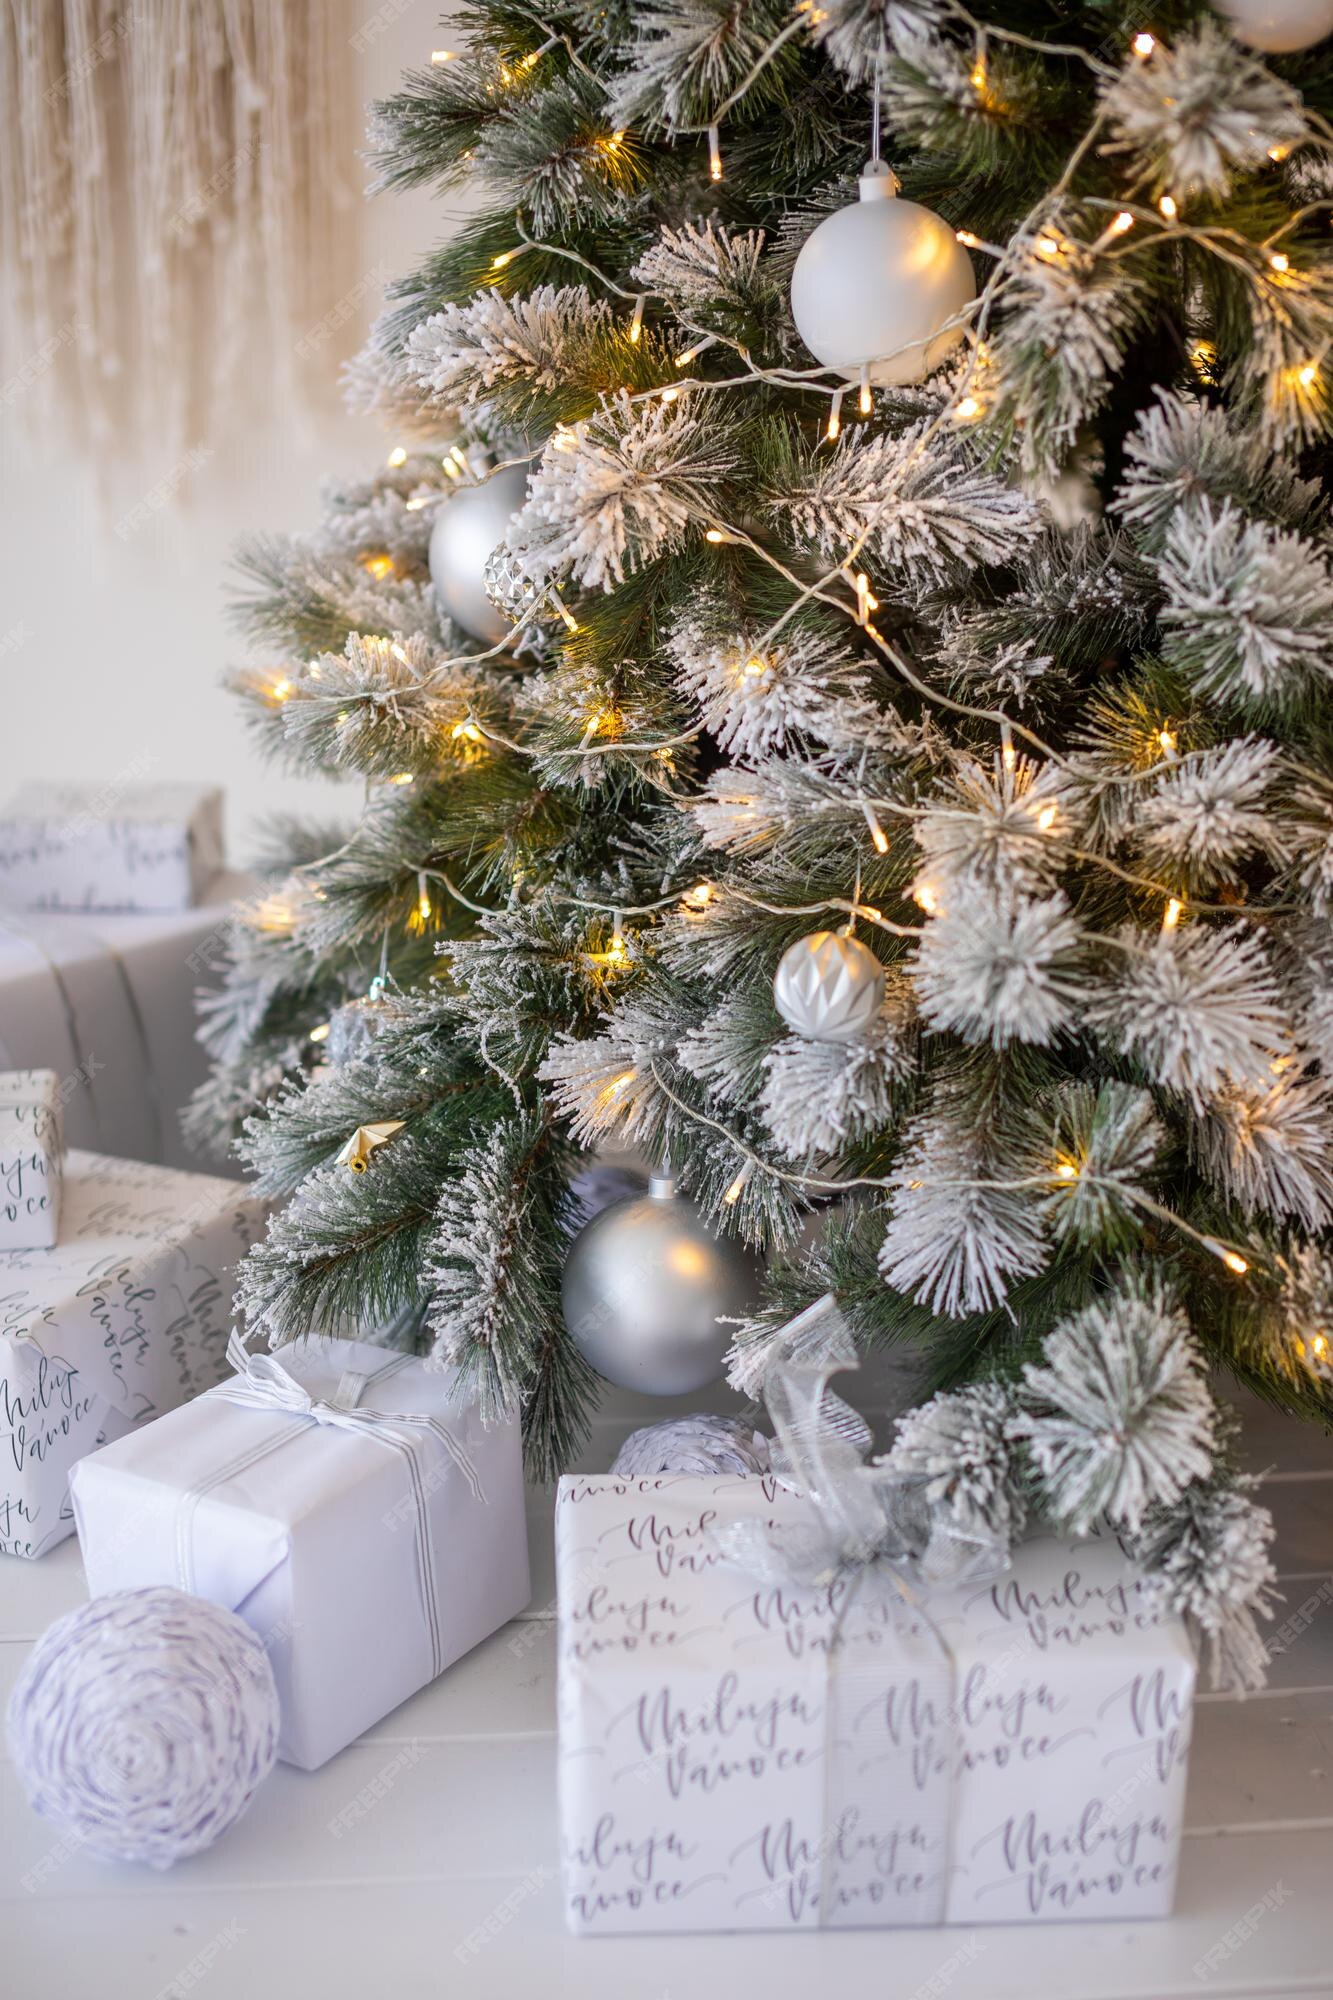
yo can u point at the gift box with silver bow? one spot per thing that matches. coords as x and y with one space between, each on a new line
125 1316
779 1710
32 1159
368 1528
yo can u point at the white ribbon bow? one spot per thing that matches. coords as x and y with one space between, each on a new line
261 1382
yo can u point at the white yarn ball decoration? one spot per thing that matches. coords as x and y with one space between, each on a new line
695 1444
876 285
829 987
1278 27
143 1723
469 524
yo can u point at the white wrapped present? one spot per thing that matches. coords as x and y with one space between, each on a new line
367 1527
32 1158
127 1316
109 847
108 1002
739 1754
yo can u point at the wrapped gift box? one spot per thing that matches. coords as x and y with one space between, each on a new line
32 1159
108 1002
1012 1751
109 847
127 1316
370 1530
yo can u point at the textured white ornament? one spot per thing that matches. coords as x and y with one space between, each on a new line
829 987
699 1444
143 1722
469 524
876 282
1278 26
649 1290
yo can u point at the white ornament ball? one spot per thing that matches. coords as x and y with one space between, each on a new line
699 1444
829 987
648 1291
1278 27
469 524
875 284
143 1723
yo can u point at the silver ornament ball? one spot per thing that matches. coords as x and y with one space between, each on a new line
877 283
647 1289
469 524
829 987
1278 27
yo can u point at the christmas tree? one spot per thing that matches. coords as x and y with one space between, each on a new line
900 788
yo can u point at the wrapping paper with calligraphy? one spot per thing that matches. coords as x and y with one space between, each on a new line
699 1790
127 1316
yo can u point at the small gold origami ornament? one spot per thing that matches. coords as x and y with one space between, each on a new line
355 1155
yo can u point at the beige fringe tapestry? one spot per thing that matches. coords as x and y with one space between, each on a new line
172 174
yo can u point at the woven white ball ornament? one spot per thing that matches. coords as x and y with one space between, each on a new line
1278 27
829 987
699 1444
876 285
143 1723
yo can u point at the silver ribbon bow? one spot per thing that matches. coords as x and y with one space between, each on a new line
862 1511
870 1537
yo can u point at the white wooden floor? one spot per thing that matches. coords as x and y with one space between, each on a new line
423 1860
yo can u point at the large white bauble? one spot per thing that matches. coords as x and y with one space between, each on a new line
468 525
1278 26
648 1289
876 282
829 988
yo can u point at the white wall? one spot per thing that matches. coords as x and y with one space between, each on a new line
111 647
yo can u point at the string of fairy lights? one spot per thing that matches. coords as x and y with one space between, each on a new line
1132 228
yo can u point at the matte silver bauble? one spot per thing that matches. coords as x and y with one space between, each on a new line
829 987
647 1289
1278 27
877 283
468 525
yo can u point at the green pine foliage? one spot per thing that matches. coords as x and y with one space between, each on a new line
1070 777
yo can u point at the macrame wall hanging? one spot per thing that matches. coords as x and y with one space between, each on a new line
176 180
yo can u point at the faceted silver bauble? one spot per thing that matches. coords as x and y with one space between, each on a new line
876 282
510 589
468 525
647 1289
1278 27
829 987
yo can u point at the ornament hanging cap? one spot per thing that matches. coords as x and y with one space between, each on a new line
878 181
662 1185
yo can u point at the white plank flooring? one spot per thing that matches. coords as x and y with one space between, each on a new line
423 1860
